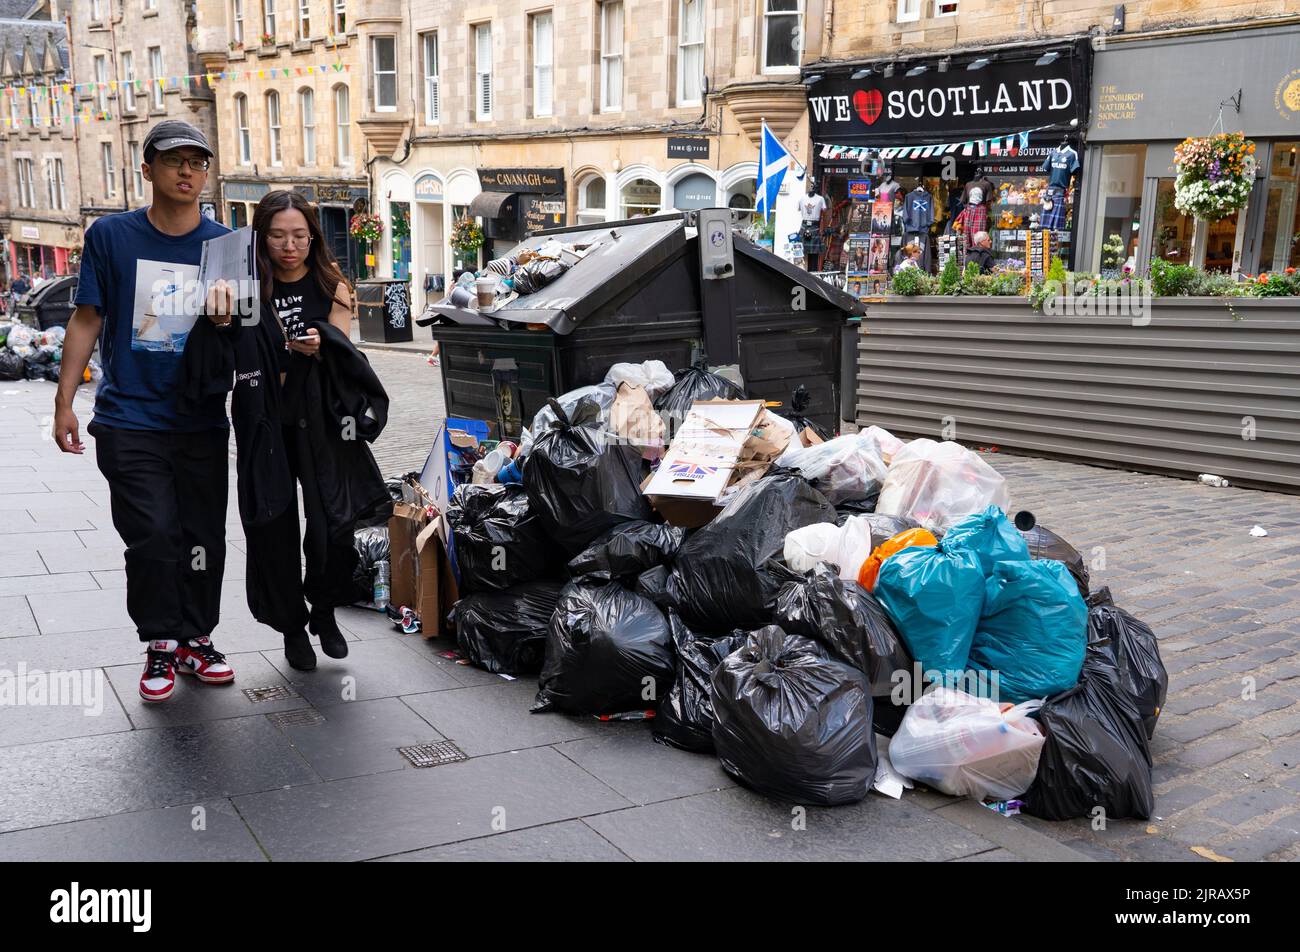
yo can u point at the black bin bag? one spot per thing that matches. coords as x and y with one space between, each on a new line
792 722
627 550
694 383
721 578
800 400
372 548
1133 648
685 716
505 631
608 650
853 626
1096 753
1045 544
499 541
579 485
653 584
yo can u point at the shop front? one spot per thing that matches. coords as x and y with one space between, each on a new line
516 202
42 249
899 147
1148 96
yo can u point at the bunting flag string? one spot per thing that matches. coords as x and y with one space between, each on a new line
1001 144
30 95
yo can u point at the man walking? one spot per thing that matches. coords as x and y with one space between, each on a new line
166 470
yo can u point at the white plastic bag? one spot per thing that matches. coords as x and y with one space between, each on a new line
846 546
887 444
847 467
965 746
855 546
807 546
653 375
938 484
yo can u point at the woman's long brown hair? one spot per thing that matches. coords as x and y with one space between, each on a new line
320 260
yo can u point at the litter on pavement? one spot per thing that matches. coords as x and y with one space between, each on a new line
827 615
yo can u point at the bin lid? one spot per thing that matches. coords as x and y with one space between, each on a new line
622 254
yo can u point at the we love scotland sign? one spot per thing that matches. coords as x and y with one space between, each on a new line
1006 94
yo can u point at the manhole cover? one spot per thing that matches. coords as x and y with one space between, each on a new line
272 692
305 718
433 755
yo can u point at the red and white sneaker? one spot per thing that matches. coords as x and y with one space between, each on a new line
199 658
159 677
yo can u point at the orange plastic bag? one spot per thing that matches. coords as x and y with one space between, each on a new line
896 543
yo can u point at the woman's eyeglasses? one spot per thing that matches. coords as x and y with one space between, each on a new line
296 241
199 164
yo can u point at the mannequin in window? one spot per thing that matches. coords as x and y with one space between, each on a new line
887 186
811 208
974 218
1060 167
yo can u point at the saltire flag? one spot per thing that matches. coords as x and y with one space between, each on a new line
773 160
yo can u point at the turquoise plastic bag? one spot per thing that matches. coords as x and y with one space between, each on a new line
991 536
934 595
1033 632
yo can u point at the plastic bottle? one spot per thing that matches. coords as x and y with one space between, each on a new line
381 585
1210 479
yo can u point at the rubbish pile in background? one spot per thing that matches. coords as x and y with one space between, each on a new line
826 615
30 354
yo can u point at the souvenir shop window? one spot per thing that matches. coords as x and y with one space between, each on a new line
1172 231
640 198
1119 199
1281 245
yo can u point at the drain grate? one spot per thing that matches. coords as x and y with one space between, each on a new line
272 692
433 755
304 718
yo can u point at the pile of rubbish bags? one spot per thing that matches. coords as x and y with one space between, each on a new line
858 608
30 354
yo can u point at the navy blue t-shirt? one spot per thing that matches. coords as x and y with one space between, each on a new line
145 285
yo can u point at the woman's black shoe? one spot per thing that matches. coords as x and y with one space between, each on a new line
323 626
297 651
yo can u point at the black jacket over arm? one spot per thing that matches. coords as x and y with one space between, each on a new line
338 406
245 355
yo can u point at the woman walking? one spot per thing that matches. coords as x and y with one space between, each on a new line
309 425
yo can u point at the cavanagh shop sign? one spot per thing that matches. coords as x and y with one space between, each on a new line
544 181
1009 95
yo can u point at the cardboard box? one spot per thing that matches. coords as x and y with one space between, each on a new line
419 565
720 445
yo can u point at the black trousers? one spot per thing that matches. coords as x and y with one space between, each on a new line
168 491
275 584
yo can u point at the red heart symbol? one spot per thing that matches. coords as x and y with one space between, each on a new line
868 102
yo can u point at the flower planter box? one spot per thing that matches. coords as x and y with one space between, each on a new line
1193 387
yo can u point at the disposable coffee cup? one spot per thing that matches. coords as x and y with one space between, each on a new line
461 296
486 288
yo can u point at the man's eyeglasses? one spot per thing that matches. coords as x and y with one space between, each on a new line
294 241
199 164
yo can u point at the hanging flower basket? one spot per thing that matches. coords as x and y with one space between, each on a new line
466 236
1215 175
366 228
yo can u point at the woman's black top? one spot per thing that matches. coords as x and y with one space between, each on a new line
296 304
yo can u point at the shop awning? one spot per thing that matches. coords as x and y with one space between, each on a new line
488 204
